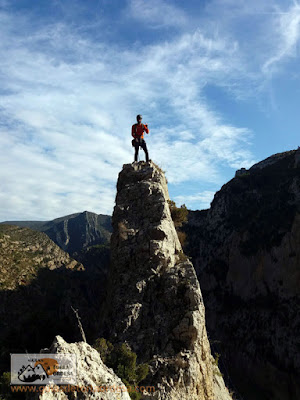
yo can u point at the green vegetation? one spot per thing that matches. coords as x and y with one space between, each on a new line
179 214
104 347
5 391
123 361
216 359
216 363
181 237
182 257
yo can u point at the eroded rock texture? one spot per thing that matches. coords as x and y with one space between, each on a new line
154 301
92 375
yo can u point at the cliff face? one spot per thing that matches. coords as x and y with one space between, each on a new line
245 249
78 231
154 301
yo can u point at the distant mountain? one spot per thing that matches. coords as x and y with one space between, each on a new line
85 236
73 232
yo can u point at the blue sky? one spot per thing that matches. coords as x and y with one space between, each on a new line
217 81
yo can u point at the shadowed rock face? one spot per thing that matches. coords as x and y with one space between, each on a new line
154 302
245 250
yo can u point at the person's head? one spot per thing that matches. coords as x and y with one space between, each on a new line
139 118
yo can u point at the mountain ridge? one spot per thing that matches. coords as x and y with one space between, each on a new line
245 249
73 232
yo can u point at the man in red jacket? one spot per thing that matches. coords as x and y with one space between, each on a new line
137 131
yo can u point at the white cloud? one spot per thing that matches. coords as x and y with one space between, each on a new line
156 13
199 200
267 32
286 36
68 104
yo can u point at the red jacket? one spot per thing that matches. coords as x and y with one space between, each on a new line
137 131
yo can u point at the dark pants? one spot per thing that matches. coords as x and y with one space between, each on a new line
142 143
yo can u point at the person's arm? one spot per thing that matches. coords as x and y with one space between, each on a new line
133 131
146 129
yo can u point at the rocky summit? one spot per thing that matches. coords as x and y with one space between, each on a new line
154 302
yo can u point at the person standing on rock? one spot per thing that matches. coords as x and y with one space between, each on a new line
137 131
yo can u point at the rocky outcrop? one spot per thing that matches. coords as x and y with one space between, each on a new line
245 250
154 301
94 380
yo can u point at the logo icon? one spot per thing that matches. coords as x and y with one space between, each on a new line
34 369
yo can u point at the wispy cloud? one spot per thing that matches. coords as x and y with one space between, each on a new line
68 102
156 13
286 36
201 200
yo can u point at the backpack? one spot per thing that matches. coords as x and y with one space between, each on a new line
136 127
